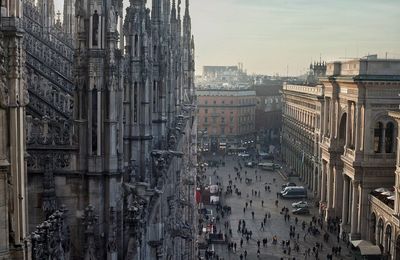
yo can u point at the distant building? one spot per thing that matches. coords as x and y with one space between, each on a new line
224 73
226 116
301 117
268 112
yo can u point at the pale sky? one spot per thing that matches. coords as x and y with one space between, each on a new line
269 36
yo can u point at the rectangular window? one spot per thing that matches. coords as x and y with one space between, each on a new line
205 120
206 111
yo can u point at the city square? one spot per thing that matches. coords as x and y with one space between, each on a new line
276 225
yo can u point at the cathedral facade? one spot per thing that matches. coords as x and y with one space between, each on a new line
98 133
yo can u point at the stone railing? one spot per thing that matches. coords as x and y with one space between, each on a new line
317 90
376 202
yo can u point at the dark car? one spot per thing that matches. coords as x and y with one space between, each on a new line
301 211
289 184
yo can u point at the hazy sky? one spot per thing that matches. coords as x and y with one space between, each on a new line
270 35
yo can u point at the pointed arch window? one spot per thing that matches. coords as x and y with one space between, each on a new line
136 46
95 29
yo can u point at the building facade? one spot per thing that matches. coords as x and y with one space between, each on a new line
268 116
107 161
13 100
300 132
383 220
226 116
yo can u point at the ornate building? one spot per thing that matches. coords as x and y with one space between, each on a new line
300 132
356 144
13 101
107 160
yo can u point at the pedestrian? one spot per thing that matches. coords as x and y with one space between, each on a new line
258 253
245 254
241 257
241 242
276 203
251 201
244 210
258 244
262 203
252 214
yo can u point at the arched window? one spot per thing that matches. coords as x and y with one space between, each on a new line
95 30
342 128
136 46
378 137
373 229
388 239
380 232
389 138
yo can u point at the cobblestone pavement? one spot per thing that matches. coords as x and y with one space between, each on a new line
276 225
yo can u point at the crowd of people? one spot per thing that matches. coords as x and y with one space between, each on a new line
256 243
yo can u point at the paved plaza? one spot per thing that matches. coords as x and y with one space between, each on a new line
275 226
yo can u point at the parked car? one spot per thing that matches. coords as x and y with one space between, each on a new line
295 192
250 164
243 155
300 204
289 184
301 211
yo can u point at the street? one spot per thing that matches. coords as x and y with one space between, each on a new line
277 225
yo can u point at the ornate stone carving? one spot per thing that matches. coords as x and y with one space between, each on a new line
90 221
49 193
51 239
4 100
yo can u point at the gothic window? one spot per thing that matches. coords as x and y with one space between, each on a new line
388 239
95 31
136 46
135 102
154 96
389 140
94 120
378 137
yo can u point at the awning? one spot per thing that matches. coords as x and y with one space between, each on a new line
366 247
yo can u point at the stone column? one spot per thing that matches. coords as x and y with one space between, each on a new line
330 188
358 139
323 182
326 116
354 210
345 203
348 125
338 197
4 232
383 134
